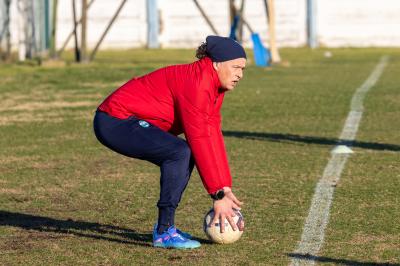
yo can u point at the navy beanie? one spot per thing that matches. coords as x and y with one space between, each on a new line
221 49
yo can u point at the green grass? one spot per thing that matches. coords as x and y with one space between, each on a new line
67 200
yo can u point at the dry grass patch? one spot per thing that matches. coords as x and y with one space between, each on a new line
103 85
359 239
6 79
13 159
34 106
27 240
43 97
13 191
48 117
42 104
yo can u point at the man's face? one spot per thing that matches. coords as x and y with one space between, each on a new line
230 72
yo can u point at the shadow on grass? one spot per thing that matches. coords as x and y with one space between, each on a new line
80 228
310 140
308 257
76 228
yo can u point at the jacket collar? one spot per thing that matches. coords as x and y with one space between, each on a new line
214 76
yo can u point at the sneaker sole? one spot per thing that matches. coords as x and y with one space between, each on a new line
160 246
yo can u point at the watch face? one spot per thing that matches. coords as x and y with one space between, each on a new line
220 194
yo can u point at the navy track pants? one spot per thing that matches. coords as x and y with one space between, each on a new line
139 139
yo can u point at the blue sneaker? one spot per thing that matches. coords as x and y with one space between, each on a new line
172 239
184 234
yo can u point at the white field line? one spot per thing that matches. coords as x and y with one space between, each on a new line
318 216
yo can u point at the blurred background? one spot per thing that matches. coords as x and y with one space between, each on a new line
33 28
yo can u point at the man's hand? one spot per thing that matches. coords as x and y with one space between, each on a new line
224 209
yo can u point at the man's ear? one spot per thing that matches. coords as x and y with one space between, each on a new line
216 66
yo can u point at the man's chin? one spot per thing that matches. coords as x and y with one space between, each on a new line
226 88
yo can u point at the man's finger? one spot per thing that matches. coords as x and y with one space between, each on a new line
232 223
214 220
222 223
238 202
235 200
241 225
236 207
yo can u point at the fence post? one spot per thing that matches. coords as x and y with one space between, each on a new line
152 24
312 23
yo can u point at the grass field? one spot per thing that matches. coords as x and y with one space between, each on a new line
67 200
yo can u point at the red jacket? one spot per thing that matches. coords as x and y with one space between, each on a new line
181 99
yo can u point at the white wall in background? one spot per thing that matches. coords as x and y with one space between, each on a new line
339 22
359 23
128 30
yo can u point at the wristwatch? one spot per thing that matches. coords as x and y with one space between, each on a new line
220 194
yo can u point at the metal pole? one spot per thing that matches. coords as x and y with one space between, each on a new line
53 34
270 10
72 33
247 25
5 38
32 30
47 24
39 27
312 23
21 30
240 25
77 52
153 24
93 54
206 17
232 11
83 30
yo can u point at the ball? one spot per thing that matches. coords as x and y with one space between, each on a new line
214 232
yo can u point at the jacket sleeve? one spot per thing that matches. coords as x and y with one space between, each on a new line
202 130
218 141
